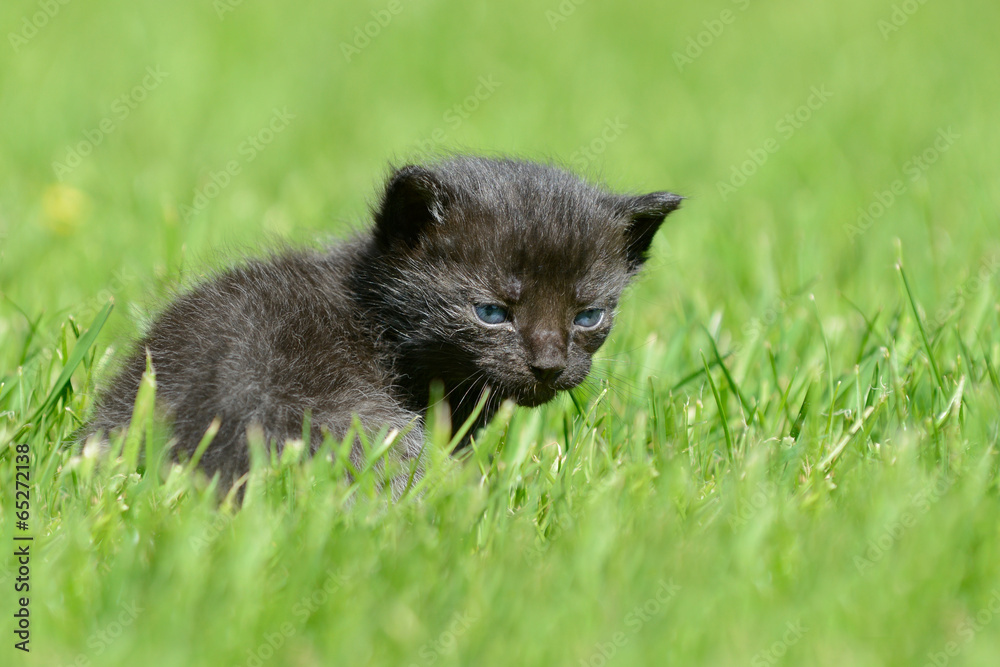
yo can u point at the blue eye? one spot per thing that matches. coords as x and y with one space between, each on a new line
590 318
491 313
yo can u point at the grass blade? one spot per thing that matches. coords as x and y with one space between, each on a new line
74 360
923 332
722 409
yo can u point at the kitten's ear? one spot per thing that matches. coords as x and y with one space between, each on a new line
414 198
645 213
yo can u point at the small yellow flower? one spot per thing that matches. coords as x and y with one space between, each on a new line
63 208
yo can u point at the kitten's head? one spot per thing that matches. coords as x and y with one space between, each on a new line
507 274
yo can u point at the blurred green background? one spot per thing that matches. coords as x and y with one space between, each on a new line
562 75
142 144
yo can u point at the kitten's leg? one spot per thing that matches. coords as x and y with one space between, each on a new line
405 454
279 419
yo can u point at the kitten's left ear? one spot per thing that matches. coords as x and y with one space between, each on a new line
645 214
414 199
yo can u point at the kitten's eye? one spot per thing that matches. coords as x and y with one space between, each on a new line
491 313
590 318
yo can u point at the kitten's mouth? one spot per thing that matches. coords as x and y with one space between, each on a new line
535 399
533 394
536 395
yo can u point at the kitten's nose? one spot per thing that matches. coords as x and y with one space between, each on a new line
548 374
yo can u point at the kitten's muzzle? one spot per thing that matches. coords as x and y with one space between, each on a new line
548 382
547 350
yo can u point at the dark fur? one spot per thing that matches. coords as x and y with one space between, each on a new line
364 327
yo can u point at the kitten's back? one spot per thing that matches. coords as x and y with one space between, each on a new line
260 344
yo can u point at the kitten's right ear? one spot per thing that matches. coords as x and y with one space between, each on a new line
645 214
414 199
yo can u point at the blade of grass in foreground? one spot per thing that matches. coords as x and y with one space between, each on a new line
748 409
722 410
920 326
74 360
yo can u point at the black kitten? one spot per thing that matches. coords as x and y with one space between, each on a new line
478 272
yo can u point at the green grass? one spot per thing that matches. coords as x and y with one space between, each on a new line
788 449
